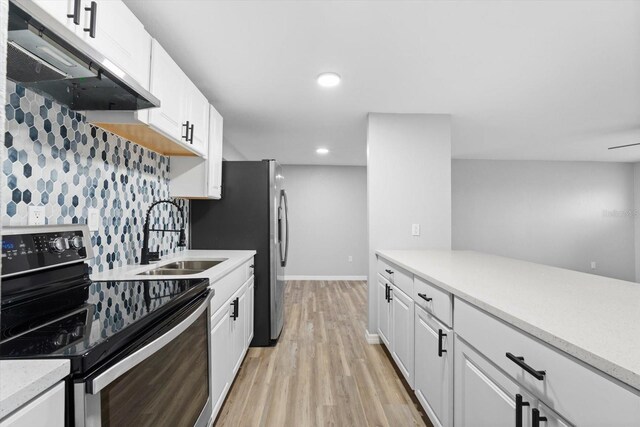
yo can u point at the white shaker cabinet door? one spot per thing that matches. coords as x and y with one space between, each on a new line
119 36
402 321
214 167
46 410
249 313
63 11
221 377
197 114
384 311
483 396
167 84
434 367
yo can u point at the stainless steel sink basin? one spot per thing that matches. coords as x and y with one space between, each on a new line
182 268
162 271
193 264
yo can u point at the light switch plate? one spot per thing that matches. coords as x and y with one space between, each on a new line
94 219
36 215
415 229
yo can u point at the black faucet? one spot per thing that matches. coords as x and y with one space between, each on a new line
147 256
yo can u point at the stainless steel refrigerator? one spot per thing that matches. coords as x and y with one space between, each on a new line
252 214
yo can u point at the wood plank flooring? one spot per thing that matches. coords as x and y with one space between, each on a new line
322 372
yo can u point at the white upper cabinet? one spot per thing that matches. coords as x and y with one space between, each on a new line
167 83
198 178
67 12
197 115
114 31
111 29
214 169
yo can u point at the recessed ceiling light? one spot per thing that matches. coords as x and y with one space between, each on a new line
329 79
322 151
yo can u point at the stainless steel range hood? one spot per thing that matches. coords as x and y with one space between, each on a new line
46 57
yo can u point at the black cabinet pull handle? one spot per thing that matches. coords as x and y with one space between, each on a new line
92 19
235 313
76 12
424 297
520 403
390 290
190 139
389 271
386 292
440 336
185 125
519 360
537 418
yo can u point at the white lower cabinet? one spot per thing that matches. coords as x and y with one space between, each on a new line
46 410
249 313
402 332
433 371
220 357
231 330
384 310
485 397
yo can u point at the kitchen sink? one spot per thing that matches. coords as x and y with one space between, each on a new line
194 264
182 268
162 271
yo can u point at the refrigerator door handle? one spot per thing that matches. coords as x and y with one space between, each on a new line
284 255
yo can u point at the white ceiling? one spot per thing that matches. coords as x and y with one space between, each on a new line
554 80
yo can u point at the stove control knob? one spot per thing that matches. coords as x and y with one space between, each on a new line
76 242
58 245
62 338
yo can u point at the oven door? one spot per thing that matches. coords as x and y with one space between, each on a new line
163 383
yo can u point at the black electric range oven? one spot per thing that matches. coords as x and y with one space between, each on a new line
139 350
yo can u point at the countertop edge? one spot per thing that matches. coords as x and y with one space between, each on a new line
25 392
608 368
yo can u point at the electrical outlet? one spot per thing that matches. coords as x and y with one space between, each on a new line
415 229
94 219
593 265
350 258
36 215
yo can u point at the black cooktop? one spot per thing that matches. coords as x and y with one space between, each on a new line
101 325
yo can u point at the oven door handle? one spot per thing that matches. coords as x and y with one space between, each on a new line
117 370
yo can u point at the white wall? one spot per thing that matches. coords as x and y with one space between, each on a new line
408 182
327 220
565 214
231 153
636 216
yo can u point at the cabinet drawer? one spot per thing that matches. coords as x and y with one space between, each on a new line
570 387
396 276
439 303
45 410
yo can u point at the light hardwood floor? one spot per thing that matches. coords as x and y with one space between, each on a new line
322 372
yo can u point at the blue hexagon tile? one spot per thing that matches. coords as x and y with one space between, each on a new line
56 159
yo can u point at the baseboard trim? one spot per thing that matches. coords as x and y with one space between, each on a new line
325 277
371 338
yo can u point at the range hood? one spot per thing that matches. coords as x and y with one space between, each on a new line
46 57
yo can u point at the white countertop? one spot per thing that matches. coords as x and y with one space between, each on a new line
233 259
593 318
23 380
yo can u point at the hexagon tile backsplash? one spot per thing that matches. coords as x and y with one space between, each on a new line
57 160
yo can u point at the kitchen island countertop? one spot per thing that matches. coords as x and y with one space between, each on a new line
596 319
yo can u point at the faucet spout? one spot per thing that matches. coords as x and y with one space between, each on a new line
146 255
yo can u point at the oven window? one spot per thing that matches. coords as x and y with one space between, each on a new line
170 388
